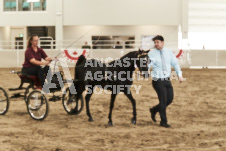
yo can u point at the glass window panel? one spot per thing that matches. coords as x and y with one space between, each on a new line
39 6
44 5
10 5
23 5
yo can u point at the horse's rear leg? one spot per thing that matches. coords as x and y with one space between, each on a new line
130 97
110 123
88 96
78 95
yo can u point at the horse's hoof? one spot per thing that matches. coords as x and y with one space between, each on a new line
91 119
110 124
133 121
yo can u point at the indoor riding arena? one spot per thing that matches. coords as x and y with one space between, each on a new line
113 75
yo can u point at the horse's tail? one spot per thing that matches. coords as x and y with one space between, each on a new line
80 60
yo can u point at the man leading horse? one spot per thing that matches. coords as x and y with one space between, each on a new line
161 61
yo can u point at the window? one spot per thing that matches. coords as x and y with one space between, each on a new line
24 5
113 42
39 6
207 24
147 42
207 40
10 5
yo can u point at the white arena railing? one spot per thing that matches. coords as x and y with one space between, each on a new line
12 53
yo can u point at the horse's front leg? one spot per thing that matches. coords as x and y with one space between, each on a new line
133 101
113 96
87 98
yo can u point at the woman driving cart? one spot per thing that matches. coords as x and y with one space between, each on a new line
33 60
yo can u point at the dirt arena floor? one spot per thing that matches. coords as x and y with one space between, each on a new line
197 116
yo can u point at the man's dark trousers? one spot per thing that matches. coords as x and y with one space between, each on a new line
164 90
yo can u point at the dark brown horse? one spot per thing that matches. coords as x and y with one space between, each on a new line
116 76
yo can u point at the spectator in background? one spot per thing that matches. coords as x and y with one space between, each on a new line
86 46
127 44
118 45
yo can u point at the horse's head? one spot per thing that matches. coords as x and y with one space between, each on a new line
142 62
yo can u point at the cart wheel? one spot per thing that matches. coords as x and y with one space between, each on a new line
4 102
37 105
70 105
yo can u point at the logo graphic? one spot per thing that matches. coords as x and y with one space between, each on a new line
73 55
180 54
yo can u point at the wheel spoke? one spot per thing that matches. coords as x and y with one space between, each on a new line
4 102
37 105
70 104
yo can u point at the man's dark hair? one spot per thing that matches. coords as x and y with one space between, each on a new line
158 37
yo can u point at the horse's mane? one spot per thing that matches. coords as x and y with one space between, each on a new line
131 54
80 59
